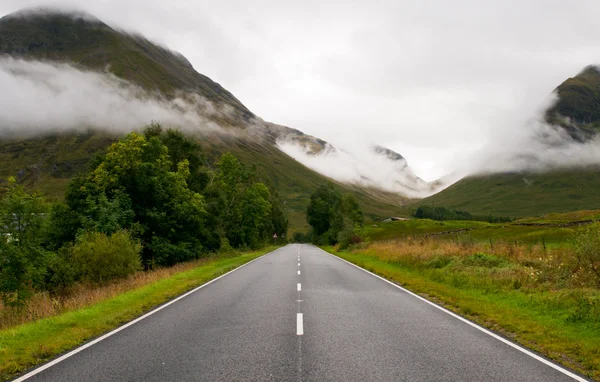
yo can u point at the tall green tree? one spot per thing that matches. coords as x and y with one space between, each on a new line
330 214
246 213
23 223
324 214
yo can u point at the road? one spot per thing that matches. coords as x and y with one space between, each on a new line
300 314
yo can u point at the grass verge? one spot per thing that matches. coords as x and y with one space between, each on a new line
30 344
552 322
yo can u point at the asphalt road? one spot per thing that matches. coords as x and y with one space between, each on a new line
299 314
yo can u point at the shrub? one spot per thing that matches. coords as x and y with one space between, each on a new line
348 237
587 250
100 258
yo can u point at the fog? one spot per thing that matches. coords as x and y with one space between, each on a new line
519 141
40 97
43 96
361 166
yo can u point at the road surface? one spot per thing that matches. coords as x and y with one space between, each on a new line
300 314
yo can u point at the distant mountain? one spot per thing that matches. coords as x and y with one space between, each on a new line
577 108
527 193
50 159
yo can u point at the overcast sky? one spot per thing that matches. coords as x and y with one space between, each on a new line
436 81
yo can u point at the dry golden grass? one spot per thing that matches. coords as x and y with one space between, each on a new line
508 263
44 304
427 248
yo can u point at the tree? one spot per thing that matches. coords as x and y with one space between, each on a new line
352 210
324 214
333 217
246 213
22 258
136 186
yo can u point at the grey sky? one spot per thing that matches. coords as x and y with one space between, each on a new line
437 81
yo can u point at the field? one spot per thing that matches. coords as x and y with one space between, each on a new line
525 279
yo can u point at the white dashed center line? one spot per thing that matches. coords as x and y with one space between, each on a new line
298 272
299 287
299 324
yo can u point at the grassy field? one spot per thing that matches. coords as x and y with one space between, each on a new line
524 281
551 230
99 311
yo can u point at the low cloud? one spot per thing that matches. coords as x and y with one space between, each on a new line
361 165
531 145
39 97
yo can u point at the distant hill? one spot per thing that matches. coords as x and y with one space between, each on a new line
49 160
522 194
577 110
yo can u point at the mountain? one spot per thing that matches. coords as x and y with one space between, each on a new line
49 159
577 108
526 193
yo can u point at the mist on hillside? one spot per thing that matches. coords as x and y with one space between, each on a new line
362 165
519 141
525 142
39 97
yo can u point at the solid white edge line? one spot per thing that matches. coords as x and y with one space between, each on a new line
480 328
299 287
299 324
115 331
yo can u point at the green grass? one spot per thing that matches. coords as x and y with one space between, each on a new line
522 195
414 227
477 231
27 345
562 218
561 324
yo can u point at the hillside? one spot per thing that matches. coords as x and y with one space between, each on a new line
49 160
578 105
522 194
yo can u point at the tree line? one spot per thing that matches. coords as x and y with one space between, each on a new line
150 200
442 213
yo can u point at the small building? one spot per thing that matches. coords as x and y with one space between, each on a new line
394 219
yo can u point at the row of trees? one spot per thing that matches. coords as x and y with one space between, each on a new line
150 200
334 218
442 213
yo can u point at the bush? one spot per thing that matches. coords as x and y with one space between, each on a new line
348 237
99 258
587 249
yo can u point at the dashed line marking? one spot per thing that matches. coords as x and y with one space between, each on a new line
299 287
298 272
299 324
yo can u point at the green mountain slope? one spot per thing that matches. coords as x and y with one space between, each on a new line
523 194
47 162
578 106
86 41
